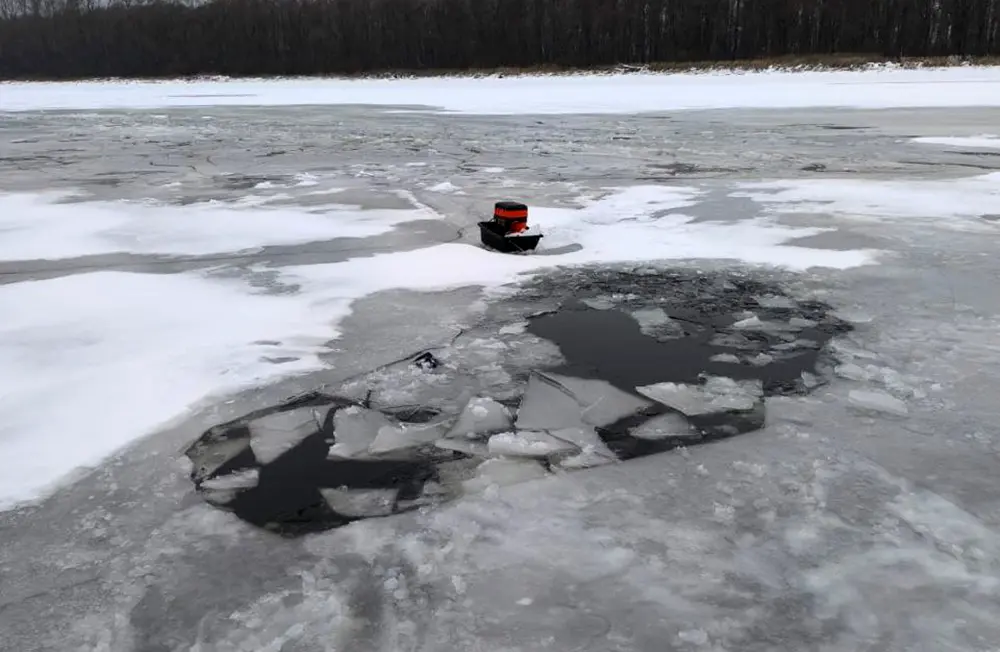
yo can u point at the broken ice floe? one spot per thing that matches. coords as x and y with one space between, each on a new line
275 434
526 443
244 479
356 428
504 471
717 394
664 426
877 401
358 503
481 416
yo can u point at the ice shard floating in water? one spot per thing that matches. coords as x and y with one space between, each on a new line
355 430
717 394
602 402
549 406
278 433
481 416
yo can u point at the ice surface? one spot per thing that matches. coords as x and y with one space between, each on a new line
355 430
203 335
525 443
727 358
481 415
504 471
245 479
877 401
602 402
662 427
543 94
277 433
40 226
718 394
985 141
358 503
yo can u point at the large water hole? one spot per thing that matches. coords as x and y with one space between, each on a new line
725 342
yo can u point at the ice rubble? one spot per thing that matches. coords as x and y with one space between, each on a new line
717 394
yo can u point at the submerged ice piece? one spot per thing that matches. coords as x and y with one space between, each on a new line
508 231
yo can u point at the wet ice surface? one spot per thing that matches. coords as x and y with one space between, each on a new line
835 526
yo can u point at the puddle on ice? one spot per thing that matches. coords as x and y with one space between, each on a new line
649 362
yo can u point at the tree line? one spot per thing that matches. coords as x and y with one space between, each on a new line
151 38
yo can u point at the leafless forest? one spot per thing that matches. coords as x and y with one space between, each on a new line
88 38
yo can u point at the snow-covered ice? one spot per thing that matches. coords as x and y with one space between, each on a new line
49 226
717 394
985 141
878 88
947 203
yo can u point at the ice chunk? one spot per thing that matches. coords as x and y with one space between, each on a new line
755 323
774 301
877 401
504 471
654 322
276 434
547 405
717 394
587 458
359 503
599 303
761 360
355 429
727 358
464 445
602 403
733 341
799 322
851 372
514 329
809 380
529 444
245 479
206 459
403 435
853 316
481 415
664 426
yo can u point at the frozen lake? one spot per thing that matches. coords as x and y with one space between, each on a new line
165 270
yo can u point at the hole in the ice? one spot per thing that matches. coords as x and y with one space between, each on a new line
651 362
